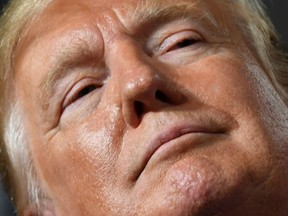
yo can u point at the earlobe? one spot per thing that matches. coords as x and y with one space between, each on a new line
45 208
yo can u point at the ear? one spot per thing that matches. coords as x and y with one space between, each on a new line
46 208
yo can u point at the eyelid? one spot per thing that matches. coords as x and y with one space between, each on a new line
178 37
76 89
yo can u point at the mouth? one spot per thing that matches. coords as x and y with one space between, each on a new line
174 136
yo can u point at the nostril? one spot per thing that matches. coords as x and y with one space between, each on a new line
139 108
159 95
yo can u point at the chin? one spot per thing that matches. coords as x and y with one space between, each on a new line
195 186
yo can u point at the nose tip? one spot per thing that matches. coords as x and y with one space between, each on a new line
146 91
139 106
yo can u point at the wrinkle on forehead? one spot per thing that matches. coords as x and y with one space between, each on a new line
139 11
129 12
144 11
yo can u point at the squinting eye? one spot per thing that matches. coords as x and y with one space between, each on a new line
81 90
183 44
85 91
180 40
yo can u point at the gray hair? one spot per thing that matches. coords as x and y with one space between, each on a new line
26 186
16 166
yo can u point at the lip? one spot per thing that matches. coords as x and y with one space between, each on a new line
173 133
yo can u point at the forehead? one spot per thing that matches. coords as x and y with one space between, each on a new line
61 16
60 6
128 11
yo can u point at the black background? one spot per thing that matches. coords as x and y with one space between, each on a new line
277 10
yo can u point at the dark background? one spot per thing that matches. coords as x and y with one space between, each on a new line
277 10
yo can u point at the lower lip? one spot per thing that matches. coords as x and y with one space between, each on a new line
180 144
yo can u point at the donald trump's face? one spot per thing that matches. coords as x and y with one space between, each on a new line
151 108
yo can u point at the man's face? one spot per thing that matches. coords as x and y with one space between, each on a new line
150 108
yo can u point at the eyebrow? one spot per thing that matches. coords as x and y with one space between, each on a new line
157 11
76 53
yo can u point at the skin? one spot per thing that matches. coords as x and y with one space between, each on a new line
141 123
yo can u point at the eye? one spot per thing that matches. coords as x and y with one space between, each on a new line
185 43
181 40
86 90
81 90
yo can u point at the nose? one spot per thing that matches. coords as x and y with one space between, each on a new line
145 91
144 86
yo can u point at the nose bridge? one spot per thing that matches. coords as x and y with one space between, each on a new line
134 70
131 63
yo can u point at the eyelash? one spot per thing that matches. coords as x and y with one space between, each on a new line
180 40
83 92
184 43
85 88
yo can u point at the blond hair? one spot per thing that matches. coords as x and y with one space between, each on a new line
15 155
15 161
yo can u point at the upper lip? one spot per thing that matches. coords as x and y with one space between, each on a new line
173 131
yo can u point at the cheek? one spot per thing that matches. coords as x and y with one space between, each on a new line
79 163
222 83
227 84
